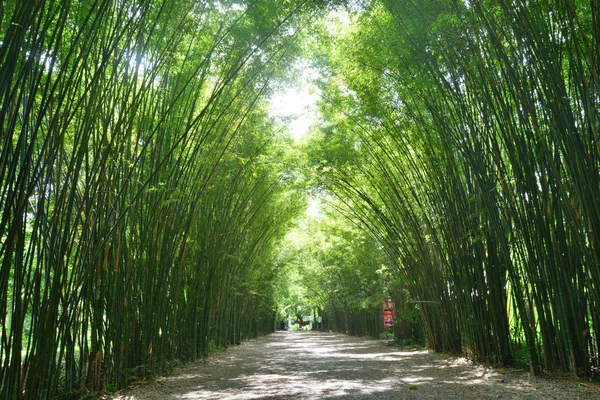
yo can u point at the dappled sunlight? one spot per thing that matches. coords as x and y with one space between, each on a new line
415 379
480 374
182 377
318 365
258 386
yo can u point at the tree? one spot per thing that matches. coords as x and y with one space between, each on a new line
473 123
135 186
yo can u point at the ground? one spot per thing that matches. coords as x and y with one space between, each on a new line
317 365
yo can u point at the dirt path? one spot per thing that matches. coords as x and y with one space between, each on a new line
314 365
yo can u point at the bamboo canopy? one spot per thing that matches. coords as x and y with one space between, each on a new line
146 193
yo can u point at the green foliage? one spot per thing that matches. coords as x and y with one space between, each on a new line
472 133
146 201
334 270
140 186
294 327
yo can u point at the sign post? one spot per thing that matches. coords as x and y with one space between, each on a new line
389 313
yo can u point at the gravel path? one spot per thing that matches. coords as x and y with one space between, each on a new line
316 365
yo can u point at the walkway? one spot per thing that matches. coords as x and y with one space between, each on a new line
315 365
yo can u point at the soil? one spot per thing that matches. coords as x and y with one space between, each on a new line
318 365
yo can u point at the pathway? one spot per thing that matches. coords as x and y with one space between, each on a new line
316 365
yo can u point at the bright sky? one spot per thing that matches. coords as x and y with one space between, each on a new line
295 105
314 207
294 108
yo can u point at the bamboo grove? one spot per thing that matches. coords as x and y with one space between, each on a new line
144 188
141 191
334 270
351 299
466 136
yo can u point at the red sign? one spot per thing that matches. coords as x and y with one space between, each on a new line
389 313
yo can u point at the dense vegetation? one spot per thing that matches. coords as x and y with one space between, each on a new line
333 270
466 142
145 193
141 188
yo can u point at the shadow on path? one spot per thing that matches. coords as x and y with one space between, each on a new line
317 365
